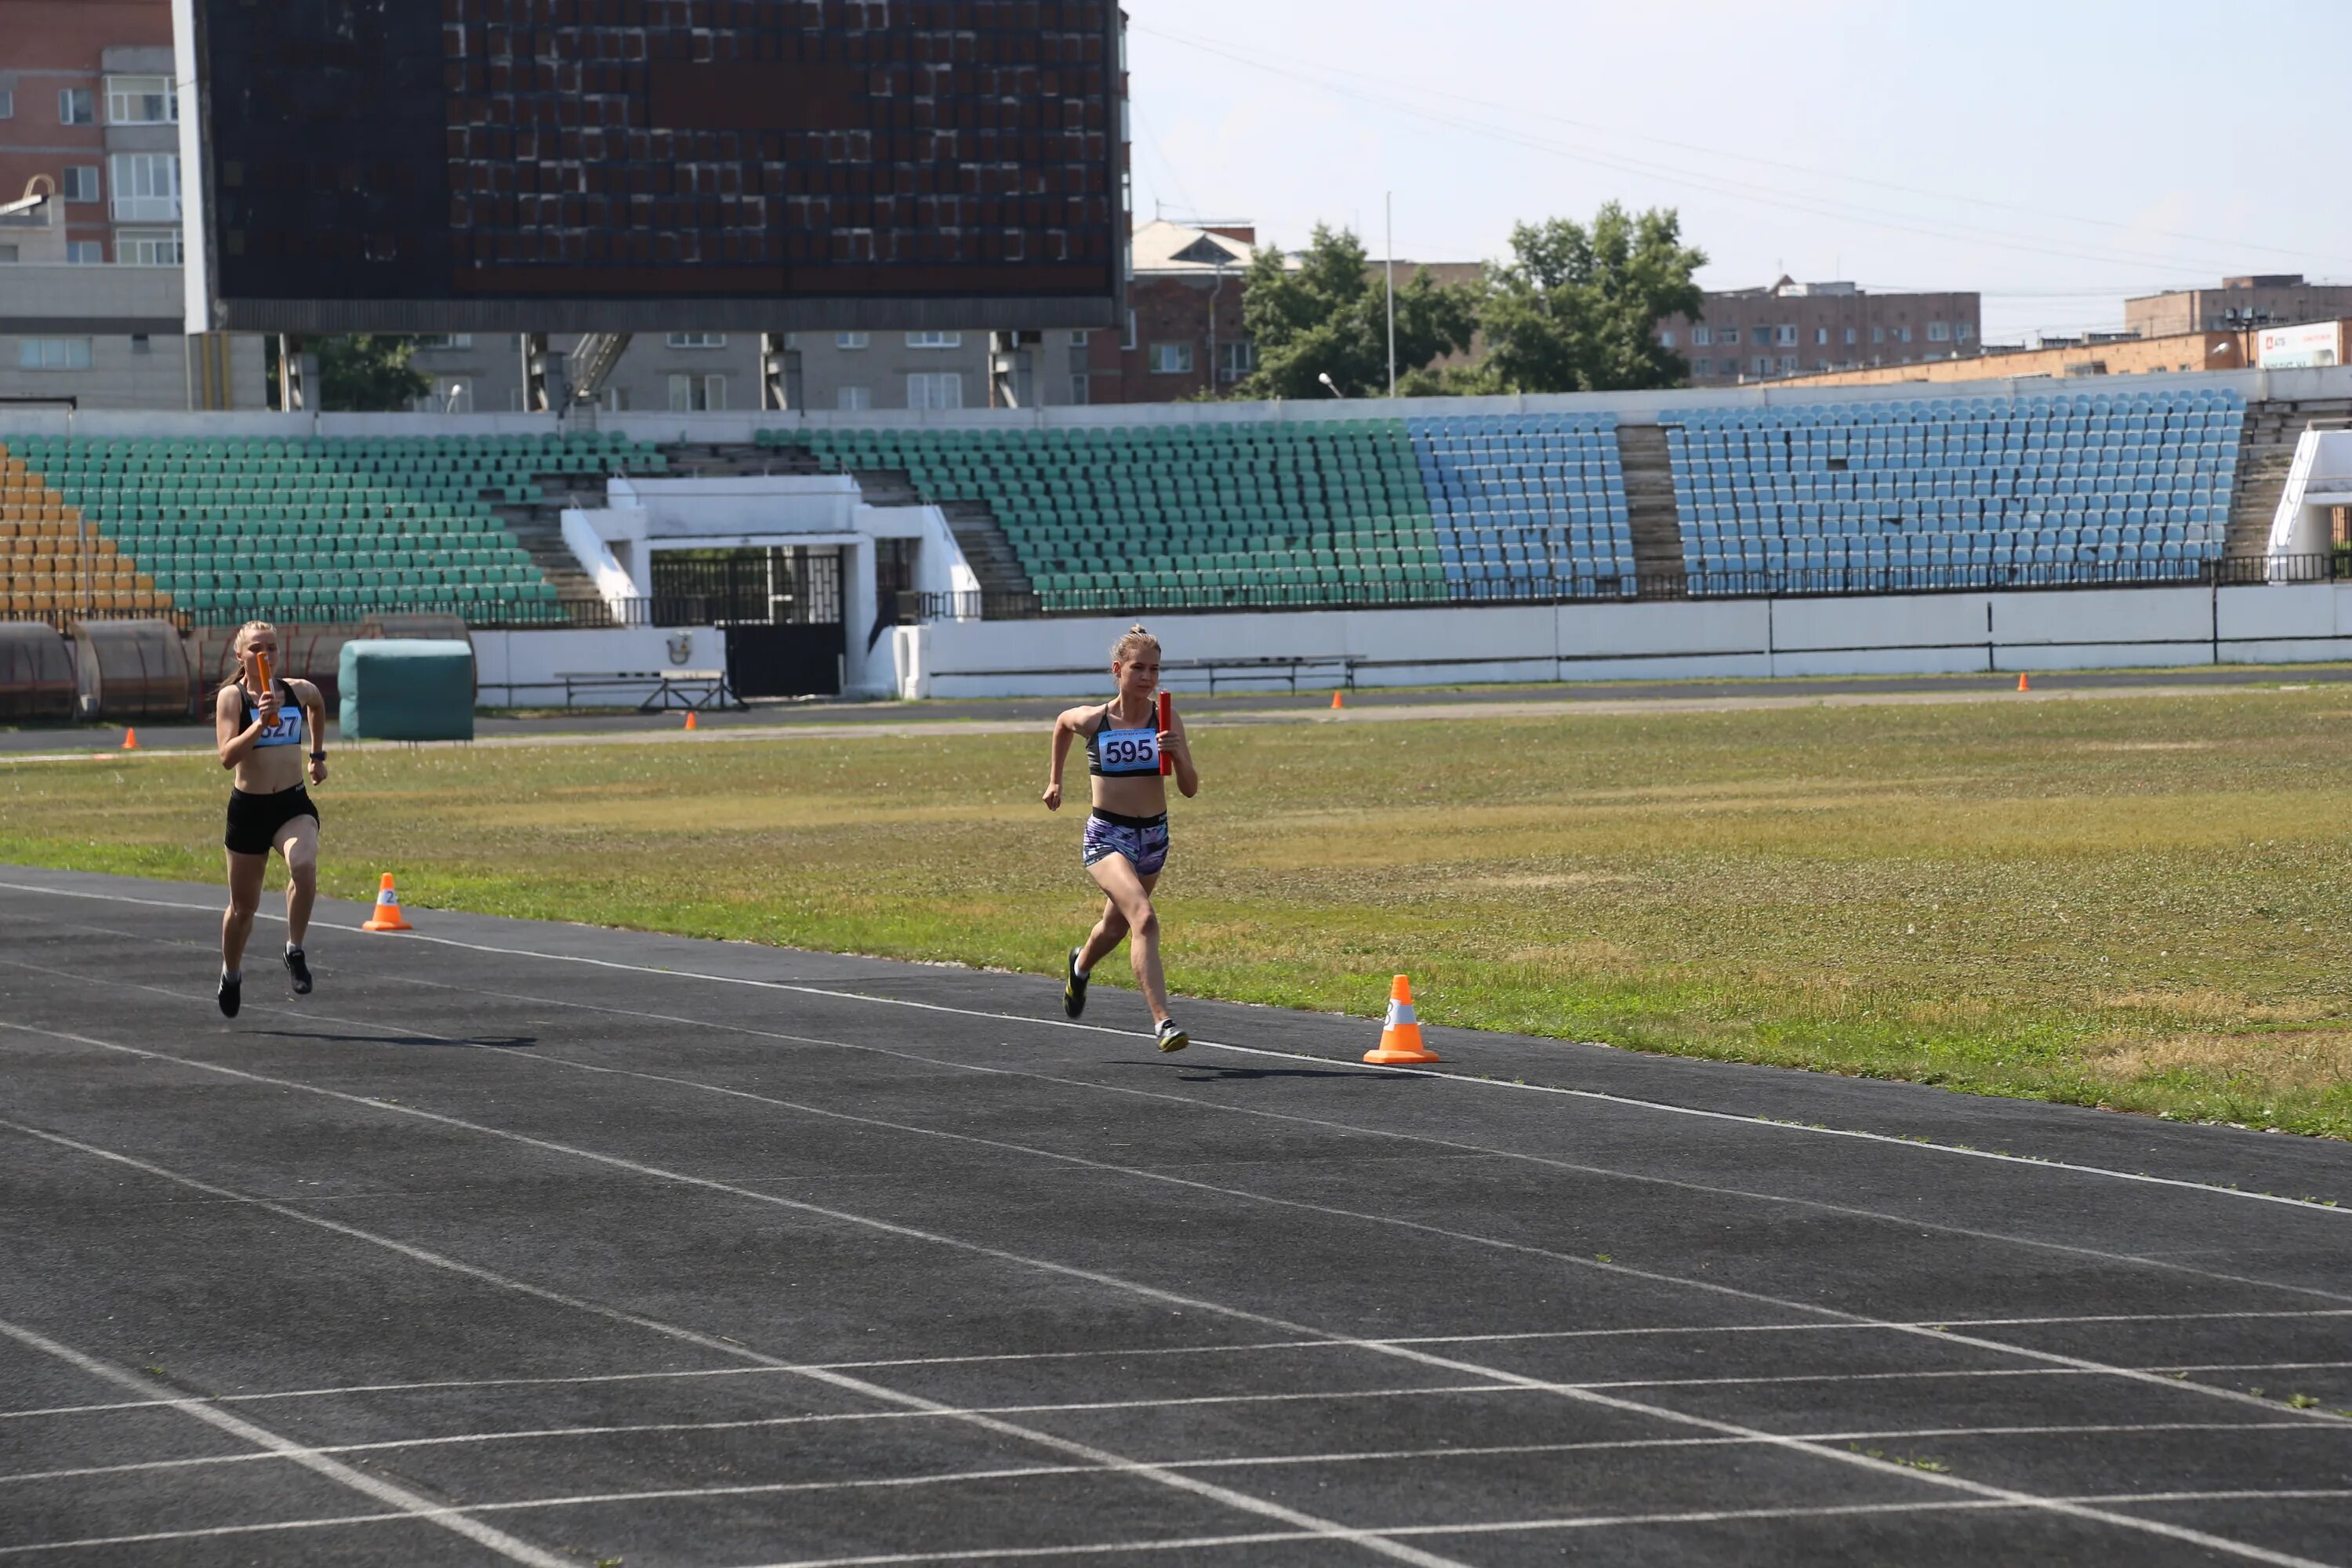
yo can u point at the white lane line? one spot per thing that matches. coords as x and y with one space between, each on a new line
1156 1175
1922 1144
1106 1460
1942 1335
1425 1139
1112 1282
1573 1522
1386 1455
408 1503
1533 1334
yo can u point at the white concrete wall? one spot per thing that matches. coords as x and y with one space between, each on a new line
507 664
1633 408
1912 634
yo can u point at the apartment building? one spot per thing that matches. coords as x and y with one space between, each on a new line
689 372
1793 329
90 307
2257 299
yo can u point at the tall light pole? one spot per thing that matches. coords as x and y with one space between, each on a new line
1391 263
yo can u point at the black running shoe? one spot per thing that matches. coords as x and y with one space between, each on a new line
299 969
1074 986
231 995
1171 1036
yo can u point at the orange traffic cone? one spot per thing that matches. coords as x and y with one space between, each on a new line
689 719
387 909
1401 1036
1337 702
129 740
2023 684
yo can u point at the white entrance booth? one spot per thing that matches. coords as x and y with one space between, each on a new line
2319 482
617 545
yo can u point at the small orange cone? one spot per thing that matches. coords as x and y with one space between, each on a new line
387 909
1401 1036
689 719
129 740
1336 701
2023 684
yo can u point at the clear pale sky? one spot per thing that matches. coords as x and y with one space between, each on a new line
2055 156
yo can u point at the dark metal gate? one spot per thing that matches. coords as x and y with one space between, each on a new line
781 608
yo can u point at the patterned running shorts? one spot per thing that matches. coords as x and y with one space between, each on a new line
1142 839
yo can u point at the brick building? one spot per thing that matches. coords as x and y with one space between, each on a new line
2277 299
1183 323
90 301
1792 329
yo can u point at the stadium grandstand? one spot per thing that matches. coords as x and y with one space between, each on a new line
1068 513
224 529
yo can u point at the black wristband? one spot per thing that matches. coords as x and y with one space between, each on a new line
318 756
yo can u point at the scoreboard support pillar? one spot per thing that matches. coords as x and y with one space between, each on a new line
537 397
779 369
1012 369
293 384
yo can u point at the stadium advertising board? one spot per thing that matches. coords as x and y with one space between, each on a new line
2301 347
647 165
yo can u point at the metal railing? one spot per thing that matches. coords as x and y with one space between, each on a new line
1777 583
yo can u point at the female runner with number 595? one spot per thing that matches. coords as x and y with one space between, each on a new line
1126 832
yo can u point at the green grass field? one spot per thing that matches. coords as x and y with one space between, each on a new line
2134 902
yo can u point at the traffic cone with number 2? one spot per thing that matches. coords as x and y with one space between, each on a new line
387 909
1401 1036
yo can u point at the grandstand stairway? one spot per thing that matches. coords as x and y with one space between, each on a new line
2266 453
1649 509
987 549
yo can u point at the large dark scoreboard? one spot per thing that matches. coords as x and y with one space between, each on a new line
648 165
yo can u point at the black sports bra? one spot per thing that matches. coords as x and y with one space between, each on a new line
1123 753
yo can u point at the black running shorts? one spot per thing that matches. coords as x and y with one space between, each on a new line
254 820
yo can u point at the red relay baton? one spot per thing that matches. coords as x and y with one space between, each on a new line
1167 722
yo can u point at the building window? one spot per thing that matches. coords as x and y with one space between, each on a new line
1787 365
140 343
1078 339
1235 361
86 252
53 353
78 182
142 100
935 389
1172 359
77 106
1666 339
697 340
1702 337
1128 342
1785 334
935 340
1903 335
1849 335
1703 367
1878 334
1820 336
1939 331
847 341
853 399
442 342
697 394
1081 389
1763 364
146 187
7 104
148 248
1964 330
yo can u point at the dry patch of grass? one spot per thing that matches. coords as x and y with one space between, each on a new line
2140 903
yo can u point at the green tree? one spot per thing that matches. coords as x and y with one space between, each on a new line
1329 316
370 373
1576 309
